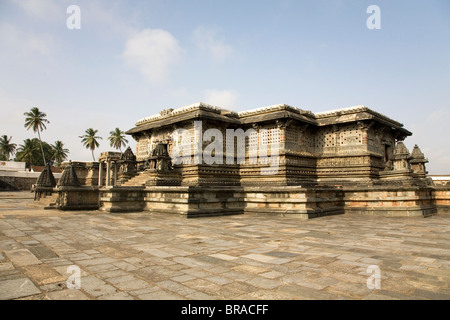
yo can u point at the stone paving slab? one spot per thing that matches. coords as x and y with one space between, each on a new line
22 257
160 256
17 288
43 274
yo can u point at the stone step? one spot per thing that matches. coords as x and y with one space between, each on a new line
138 180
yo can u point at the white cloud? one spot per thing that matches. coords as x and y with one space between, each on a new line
152 52
221 98
110 18
207 41
42 9
25 43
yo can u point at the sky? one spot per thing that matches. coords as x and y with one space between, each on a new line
109 63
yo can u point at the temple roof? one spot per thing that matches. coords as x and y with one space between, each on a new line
345 113
167 113
196 110
278 111
272 108
46 178
69 177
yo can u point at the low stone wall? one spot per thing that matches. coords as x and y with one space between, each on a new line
441 193
17 183
6 186
294 201
20 180
441 196
391 201
441 181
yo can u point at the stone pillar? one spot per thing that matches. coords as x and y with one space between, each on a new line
282 128
92 174
253 154
115 172
337 136
108 173
100 174
364 128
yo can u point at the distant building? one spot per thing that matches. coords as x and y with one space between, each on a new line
12 166
41 168
441 180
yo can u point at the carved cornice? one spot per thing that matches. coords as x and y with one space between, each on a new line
365 117
196 106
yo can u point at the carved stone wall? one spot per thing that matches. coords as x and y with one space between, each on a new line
337 151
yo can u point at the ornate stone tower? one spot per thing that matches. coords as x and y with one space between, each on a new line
69 177
400 161
45 183
128 166
417 161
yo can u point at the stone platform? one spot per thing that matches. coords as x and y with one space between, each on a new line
216 201
295 201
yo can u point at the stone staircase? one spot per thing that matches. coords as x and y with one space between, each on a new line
138 180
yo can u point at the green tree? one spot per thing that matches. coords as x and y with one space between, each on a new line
59 153
48 154
89 140
7 148
36 120
117 139
28 151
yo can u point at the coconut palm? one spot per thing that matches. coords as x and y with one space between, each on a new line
7 148
28 151
117 139
35 119
59 153
89 140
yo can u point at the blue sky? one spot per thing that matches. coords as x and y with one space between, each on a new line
131 59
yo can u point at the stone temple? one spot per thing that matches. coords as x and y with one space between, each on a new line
201 160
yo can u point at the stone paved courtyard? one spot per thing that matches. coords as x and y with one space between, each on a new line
156 256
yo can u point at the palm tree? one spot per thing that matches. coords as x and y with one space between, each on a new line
117 139
36 120
6 147
59 153
28 151
89 140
